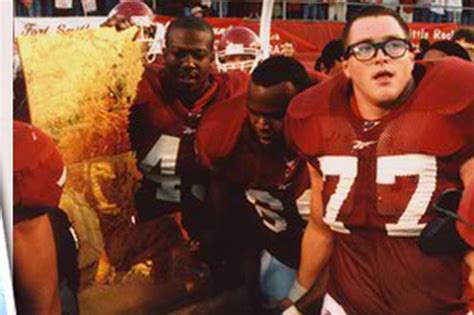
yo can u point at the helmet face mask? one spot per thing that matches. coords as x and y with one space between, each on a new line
239 49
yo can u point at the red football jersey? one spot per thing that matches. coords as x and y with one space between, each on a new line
380 181
38 172
275 181
162 134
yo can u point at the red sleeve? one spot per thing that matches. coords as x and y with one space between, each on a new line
219 129
38 171
306 113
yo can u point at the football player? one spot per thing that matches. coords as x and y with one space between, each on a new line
251 153
238 49
386 138
465 38
44 243
330 61
166 112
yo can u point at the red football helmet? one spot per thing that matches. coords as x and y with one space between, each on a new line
126 9
238 49
38 170
142 16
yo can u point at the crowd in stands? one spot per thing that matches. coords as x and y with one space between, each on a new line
459 11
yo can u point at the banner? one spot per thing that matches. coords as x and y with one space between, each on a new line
43 26
308 38
80 86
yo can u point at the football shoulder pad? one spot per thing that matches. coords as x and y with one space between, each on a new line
220 128
302 122
445 87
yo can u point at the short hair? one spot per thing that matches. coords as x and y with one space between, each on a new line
370 11
424 44
190 23
278 69
450 48
464 33
332 52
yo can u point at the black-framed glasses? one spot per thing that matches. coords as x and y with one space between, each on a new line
394 48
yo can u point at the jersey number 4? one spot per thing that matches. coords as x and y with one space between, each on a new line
159 166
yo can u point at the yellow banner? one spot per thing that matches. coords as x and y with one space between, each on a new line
80 86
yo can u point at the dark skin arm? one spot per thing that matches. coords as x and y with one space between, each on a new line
316 249
35 267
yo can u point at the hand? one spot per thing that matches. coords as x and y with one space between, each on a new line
120 23
123 23
285 303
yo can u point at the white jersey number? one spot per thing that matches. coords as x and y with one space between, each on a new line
269 208
388 169
165 153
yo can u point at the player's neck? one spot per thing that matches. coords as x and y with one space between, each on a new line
369 110
280 148
190 97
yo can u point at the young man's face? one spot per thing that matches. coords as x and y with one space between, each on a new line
188 58
267 109
382 79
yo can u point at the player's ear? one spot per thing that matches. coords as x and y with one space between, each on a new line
290 88
345 68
